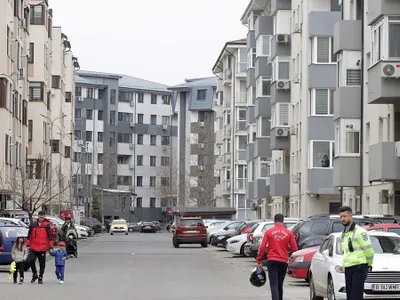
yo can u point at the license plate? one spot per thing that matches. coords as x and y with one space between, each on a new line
148 226
192 231
385 287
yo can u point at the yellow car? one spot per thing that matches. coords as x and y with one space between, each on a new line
119 226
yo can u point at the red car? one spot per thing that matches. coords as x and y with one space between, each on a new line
300 261
190 231
384 227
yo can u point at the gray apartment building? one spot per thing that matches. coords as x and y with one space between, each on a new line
123 145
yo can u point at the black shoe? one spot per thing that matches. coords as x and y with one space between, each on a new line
40 280
34 278
15 280
21 281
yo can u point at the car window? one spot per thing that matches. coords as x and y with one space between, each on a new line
14 232
324 245
233 225
267 226
147 223
377 229
289 224
254 227
380 244
191 222
337 227
319 228
394 229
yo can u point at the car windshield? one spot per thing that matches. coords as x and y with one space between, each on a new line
14 232
380 244
267 226
254 228
191 222
215 224
119 222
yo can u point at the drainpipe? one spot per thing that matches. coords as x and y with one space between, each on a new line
362 109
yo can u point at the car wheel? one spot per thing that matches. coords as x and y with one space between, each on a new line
126 233
175 243
242 250
204 244
131 230
111 233
313 296
331 289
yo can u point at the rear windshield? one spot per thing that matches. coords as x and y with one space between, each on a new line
148 223
14 232
254 228
394 229
191 222
119 222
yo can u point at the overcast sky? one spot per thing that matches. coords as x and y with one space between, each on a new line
164 41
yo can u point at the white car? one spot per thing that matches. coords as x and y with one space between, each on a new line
13 221
228 226
327 279
235 244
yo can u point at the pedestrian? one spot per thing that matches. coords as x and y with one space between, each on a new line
67 226
39 239
19 254
278 241
60 256
358 255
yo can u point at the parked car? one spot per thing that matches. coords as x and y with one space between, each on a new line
148 227
53 227
12 221
214 224
8 235
235 244
384 227
190 230
300 262
219 239
92 223
119 226
81 232
327 278
230 226
157 225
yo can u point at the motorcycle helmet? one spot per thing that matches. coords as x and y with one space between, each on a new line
258 277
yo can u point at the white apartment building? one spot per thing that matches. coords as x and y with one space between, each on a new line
230 127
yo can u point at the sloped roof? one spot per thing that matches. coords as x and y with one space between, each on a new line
235 42
142 84
194 82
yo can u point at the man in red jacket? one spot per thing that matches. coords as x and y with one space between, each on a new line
39 238
279 241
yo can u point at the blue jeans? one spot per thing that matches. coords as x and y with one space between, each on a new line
276 276
60 272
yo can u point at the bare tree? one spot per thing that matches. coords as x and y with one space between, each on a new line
167 186
35 184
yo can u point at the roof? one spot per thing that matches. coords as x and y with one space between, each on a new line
194 82
227 44
98 74
142 84
254 5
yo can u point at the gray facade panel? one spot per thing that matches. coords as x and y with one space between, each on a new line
347 102
250 78
280 5
320 181
344 33
262 107
250 190
321 23
251 39
262 147
279 96
263 67
124 127
343 171
182 147
321 128
250 116
264 26
383 164
205 104
279 49
249 151
261 190
382 90
322 76
280 185
278 143
377 8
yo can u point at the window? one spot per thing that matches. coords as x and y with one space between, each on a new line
112 139
164 181
165 140
322 153
152 181
164 161
140 139
30 130
113 96
280 69
3 92
153 140
100 115
78 134
263 87
347 136
322 102
100 137
264 167
353 77
251 58
201 94
152 202
264 126
139 201
140 97
152 161
165 120
124 180
78 91
166 99
68 97
280 114
55 82
153 98
319 228
90 93
139 160
323 50
394 36
125 96
377 42
89 136
55 146
202 116
125 138
153 120
139 180
31 53
89 114
67 151
112 117
140 118
38 13
36 91
202 160
125 117
24 111
263 45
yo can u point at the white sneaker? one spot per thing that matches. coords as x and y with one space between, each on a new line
61 282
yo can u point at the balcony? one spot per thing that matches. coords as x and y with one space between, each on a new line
227 131
262 107
280 5
383 164
321 23
250 190
320 181
241 68
264 26
251 39
321 128
241 98
240 155
344 33
262 147
241 125
240 185
377 8
279 49
322 76
347 102
261 190
227 76
279 142
227 158
280 185
263 68
249 151
345 171
250 116
250 77
383 88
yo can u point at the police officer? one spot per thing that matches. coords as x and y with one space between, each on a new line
357 255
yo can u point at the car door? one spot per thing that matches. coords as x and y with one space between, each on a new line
318 262
326 264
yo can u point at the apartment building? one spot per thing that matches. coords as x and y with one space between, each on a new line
231 136
291 79
194 118
123 152
366 112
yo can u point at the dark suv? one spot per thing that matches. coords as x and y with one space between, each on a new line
190 230
312 232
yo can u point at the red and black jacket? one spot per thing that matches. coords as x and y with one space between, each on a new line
39 236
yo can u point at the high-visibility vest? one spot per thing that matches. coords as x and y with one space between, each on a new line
362 253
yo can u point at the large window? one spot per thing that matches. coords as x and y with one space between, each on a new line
125 96
263 167
36 91
263 87
385 39
321 154
322 50
251 58
280 115
38 15
347 137
201 94
264 126
321 102
281 69
125 138
263 45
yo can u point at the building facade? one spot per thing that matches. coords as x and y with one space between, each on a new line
124 136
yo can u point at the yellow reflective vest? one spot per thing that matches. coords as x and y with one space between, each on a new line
362 250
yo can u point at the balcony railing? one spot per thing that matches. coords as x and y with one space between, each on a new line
240 184
241 125
241 154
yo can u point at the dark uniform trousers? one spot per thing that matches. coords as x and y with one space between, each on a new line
355 279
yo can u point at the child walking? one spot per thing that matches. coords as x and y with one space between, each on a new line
60 257
19 254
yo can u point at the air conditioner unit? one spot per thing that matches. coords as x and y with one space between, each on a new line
131 166
131 146
201 168
229 73
282 38
384 196
132 103
80 186
201 145
132 124
201 124
80 142
165 126
297 28
283 85
391 70
281 132
79 98
293 130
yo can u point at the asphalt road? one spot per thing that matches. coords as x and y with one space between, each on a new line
146 266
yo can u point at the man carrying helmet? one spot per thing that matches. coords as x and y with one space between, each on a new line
278 241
